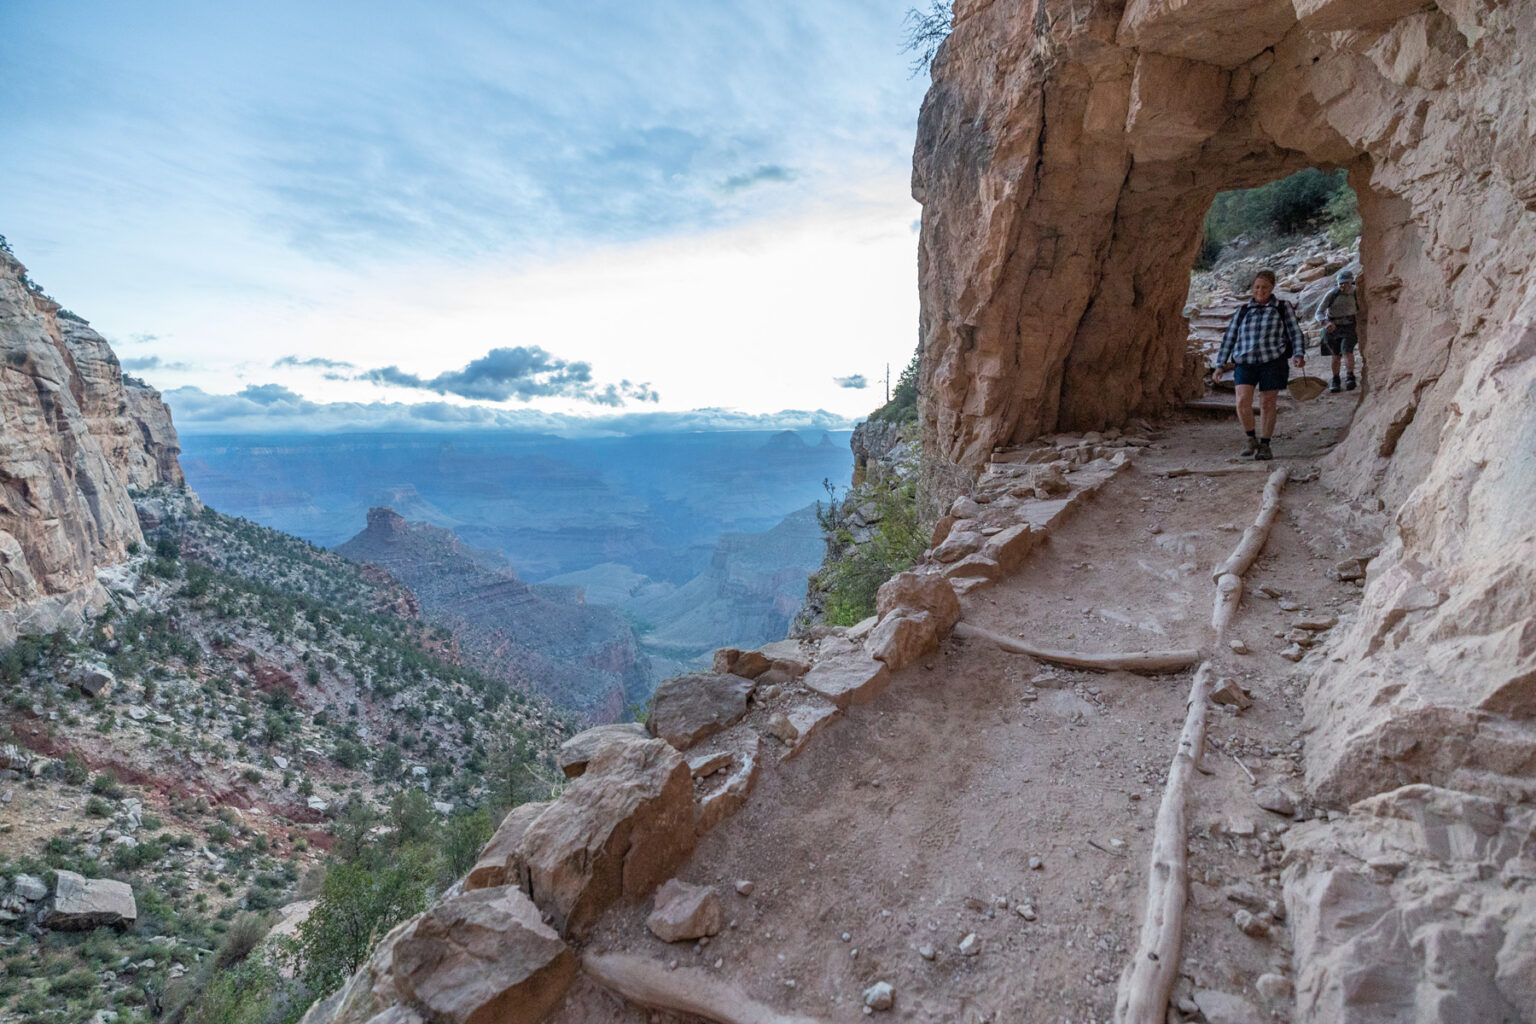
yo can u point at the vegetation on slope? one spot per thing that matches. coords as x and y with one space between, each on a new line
280 727
1305 201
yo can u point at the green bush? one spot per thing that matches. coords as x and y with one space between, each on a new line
1282 207
356 907
854 574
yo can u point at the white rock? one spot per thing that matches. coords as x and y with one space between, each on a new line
880 996
970 945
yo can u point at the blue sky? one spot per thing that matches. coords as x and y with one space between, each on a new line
516 211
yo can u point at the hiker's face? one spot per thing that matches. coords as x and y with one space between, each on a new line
1263 287
1347 286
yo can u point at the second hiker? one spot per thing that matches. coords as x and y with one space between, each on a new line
1263 334
1338 315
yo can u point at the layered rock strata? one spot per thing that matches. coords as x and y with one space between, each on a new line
77 435
1066 155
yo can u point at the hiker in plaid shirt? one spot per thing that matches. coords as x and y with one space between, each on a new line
1262 335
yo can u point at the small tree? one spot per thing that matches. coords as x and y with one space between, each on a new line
355 909
925 32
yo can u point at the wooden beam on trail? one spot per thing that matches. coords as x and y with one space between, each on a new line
691 990
1244 469
1148 979
1146 662
1229 593
1254 537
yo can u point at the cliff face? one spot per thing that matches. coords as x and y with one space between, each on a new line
1066 155
584 658
76 437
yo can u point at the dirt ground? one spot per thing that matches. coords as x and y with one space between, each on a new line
986 793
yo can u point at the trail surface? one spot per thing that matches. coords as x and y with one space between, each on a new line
988 794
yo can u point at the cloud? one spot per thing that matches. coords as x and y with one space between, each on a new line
315 361
143 339
856 381
765 174
270 394
522 373
152 363
273 409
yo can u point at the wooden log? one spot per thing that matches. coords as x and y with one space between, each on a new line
1229 592
691 990
1149 977
1148 662
1254 537
1240 470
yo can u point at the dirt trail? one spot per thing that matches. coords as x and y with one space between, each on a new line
983 783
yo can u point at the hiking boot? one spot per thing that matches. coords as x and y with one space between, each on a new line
1334 387
1349 383
1249 448
1263 454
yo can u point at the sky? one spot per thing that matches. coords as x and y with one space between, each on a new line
312 216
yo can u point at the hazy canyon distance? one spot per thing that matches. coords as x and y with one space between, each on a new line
650 551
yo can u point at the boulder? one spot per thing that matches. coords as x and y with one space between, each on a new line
920 592
497 864
94 680
787 656
957 545
577 751
483 957
796 726
1009 548
724 793
901 639
81 904
29 888
748 664
619 829
849 678
688 708
974 567
685 912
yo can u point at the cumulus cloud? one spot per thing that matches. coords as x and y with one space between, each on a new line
151 363
856 381
763 174
314 361
270 394
522 373
273 409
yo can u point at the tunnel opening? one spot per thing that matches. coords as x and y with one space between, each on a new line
1305 227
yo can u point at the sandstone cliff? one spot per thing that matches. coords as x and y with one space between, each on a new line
1066 155
77 436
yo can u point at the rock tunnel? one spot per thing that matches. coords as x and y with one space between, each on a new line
1067 152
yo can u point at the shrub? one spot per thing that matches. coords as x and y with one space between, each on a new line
356 907
853 574
244 934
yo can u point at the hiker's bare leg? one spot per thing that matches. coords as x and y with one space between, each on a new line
1336 365
1267 406
1245 406
1349 364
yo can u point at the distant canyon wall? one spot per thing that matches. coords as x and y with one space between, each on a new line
76 437
1066 154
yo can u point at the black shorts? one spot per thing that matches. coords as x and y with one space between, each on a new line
1341 342
1270 376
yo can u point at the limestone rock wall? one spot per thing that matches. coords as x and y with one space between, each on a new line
75 438
1066 153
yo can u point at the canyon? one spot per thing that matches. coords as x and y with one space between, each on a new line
967 806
